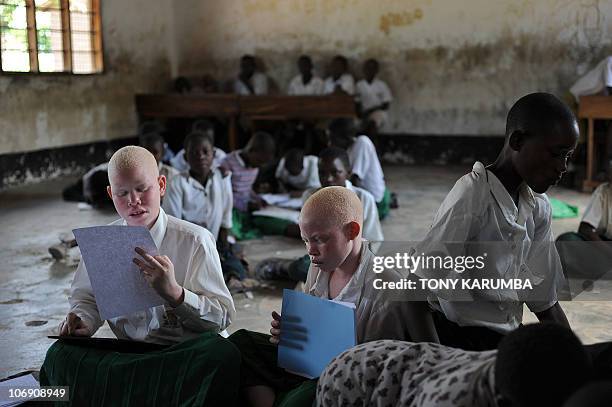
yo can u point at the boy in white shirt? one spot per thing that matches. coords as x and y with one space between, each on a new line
596 81
249 80
204 126
186 274
373 98
342 270
505 203
298 172
203 195
367 172
305 83
340 79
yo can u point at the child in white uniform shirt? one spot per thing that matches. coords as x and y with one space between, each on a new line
204 126
298 172
249 80
186 274
373 96
341 269
367 172
340 79
505 202
203 195
305 83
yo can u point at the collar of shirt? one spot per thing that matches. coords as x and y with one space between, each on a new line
158 231
348 184
353 289
504 200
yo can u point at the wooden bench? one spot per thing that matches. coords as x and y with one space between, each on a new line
264 107
593 108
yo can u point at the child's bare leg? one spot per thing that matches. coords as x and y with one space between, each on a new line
260 396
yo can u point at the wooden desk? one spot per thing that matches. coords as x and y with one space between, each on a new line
281 107
273 107
592 108
191 106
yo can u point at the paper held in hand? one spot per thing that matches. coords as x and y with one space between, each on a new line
313 332
117 283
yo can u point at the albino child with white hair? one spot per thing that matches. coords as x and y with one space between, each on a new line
186 274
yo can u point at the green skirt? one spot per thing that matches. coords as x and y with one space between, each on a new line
384 206
246 226
200 371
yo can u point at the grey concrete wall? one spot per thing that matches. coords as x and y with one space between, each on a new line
455 67
48 111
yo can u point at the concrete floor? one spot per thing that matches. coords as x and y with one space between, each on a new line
34 288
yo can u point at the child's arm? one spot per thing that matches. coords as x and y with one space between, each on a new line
84 317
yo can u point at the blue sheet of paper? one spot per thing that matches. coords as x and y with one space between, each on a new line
313 332
117 283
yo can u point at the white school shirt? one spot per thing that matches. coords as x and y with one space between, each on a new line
209 206
599 212
372 231
346 82
365 164
373 94
377 316
259 82
181 165
480 211
297 87
208 304
308 178
595 80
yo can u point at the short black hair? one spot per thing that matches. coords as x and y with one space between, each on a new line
536 112
540 364
204 126
181 83
150 126
372 61
248 58
332 153
261 141
342 59
305 58
197 136
294 155
151 139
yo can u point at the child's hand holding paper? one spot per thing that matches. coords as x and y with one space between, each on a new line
159 273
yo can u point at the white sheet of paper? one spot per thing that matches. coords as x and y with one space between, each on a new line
21 382
117 283
273 199
278 213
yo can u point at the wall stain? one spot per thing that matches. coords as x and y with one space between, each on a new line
402 19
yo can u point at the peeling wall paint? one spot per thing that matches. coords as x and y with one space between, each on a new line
455 67
46 111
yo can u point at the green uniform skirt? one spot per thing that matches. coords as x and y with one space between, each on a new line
197 372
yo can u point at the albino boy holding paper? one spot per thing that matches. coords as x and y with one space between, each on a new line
341 270
186 275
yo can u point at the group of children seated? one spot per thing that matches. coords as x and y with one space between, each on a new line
372 95
416 353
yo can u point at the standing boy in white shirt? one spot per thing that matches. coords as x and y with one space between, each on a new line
373 98
340 79
305 83
186 274
503 207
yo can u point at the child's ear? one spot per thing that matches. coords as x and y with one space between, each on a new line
353 230
109 192
162 185
517 140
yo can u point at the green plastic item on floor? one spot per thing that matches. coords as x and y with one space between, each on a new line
562 210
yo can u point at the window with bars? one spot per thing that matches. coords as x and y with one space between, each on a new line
42 36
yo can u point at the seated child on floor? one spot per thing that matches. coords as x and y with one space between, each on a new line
187 275
596 222
505 203
297 172
367 172
536 365
203 195
203 126
342 270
